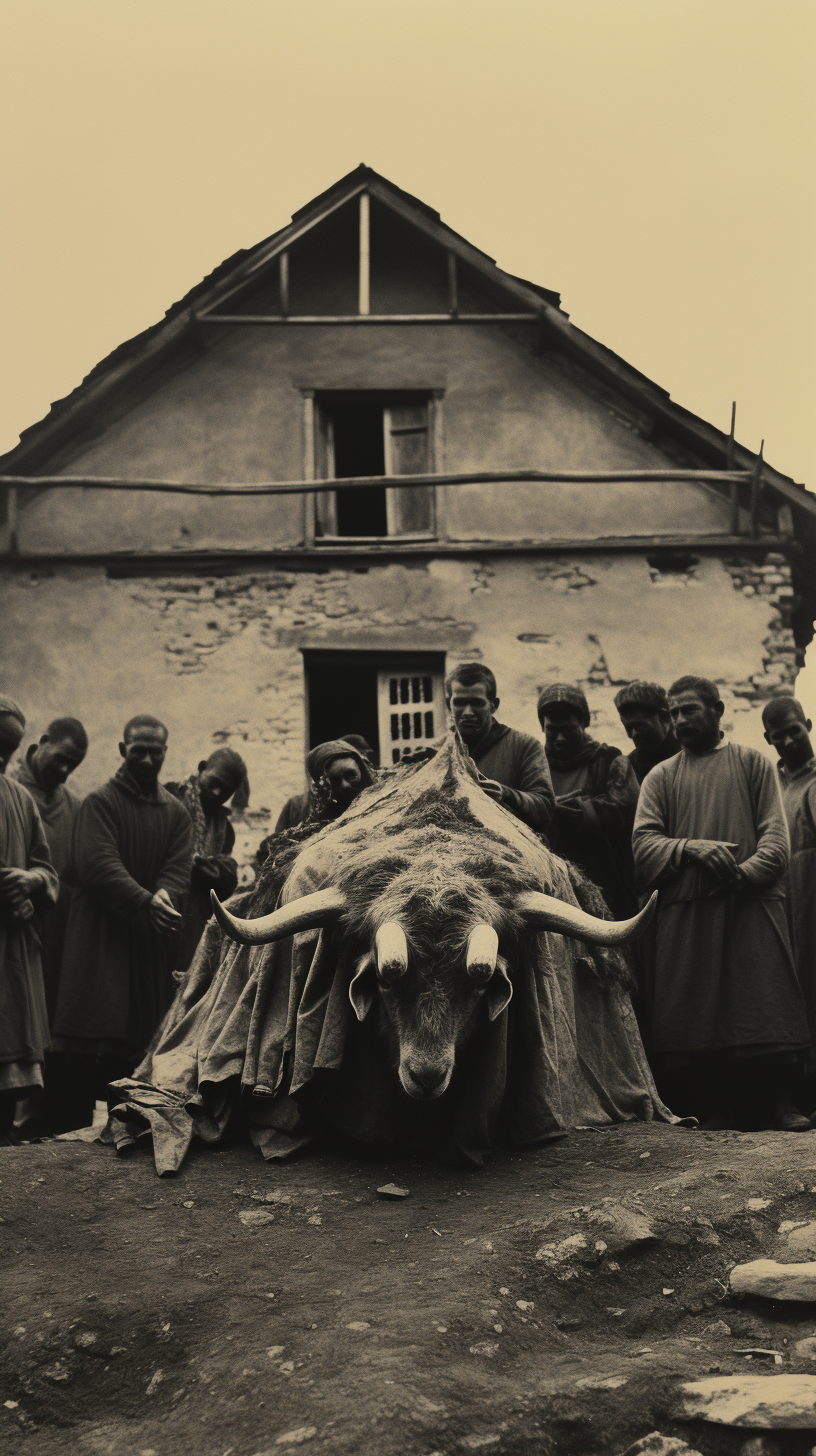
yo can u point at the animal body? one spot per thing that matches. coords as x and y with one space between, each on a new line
429 977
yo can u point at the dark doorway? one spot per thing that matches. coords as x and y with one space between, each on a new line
343 699
359 449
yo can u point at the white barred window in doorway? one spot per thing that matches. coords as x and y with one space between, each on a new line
411 709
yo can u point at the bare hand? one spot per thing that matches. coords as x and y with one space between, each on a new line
206 869
714 855
491 788
15 884
163 913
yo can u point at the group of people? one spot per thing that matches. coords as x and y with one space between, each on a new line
103 901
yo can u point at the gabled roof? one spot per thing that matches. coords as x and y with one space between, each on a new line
141 355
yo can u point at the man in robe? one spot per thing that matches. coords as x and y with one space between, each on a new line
132 860
596 794
296 809
221 777
787 730
28 883
728 1021
43 771
643 708
512 765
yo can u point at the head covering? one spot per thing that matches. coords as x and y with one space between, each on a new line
563 695
358 741
12 708
643 695
325 753
230 766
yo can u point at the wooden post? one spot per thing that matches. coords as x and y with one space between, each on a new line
453 286
756 491
734 490
365 254
309 466
283 279
11 515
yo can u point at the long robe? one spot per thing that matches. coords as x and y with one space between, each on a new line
23 1018
271 1027
116 979
58 810
592 826
799 799
724 978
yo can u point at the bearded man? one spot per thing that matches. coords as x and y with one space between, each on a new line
596 794
132 861
28 883
728 1022
788 731
43 771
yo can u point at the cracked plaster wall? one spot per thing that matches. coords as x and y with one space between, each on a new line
219 659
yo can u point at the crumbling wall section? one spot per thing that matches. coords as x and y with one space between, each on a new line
219 658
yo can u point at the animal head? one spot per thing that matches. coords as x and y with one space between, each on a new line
434 897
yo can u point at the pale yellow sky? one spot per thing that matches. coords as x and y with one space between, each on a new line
651 159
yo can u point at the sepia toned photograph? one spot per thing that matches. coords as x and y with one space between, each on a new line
407 778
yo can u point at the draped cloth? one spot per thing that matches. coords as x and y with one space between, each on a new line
270 1029
23 1019
799 800
724 978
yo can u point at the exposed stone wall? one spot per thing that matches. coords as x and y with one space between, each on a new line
219 658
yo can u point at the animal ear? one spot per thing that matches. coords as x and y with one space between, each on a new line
499 990
363 987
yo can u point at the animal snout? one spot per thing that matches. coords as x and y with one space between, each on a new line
425 1080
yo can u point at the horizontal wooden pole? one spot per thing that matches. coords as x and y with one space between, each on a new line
394 482
134 563
368 318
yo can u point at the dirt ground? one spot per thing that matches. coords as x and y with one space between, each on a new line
551 1302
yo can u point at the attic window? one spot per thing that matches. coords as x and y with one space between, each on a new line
369 435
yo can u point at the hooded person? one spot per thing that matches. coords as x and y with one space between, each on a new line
28 884
339 772
296 809
596 795
221 778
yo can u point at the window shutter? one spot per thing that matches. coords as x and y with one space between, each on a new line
325 500
411 707
407 452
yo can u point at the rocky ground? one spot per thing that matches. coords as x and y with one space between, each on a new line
556 1301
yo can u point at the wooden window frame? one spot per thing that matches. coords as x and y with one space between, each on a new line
432 399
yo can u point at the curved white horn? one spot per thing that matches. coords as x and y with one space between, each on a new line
304 914
547 913
482 950
392 950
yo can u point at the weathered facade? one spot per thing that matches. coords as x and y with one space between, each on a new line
368 341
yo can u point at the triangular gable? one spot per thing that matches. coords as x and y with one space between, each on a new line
700 442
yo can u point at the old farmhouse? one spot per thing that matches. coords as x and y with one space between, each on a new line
215 526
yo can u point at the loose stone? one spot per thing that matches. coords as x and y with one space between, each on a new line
770 1280
772 1402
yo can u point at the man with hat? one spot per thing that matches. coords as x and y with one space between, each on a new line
596 794
28 883
643 708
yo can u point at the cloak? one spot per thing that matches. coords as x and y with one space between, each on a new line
23 1019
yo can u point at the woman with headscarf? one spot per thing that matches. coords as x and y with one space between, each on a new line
221 777
28 882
